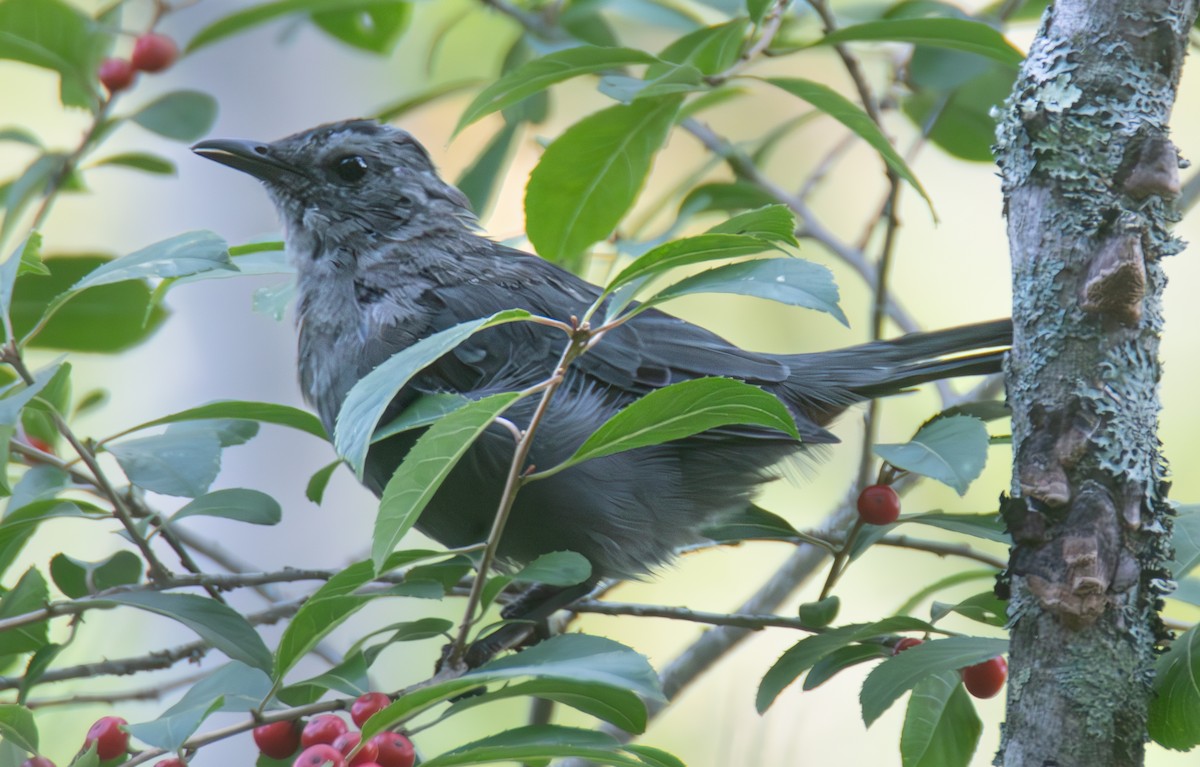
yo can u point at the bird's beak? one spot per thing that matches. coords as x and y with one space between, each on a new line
253 157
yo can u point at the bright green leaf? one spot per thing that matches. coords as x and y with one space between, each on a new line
324 611
1185 539
263 412
54 35
76 578
251 506
956 34
373 26
233 687
17 726
941 728
315 490
29 595
144 161
181 115
262 13
588 178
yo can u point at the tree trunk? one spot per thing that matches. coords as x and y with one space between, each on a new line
1090 178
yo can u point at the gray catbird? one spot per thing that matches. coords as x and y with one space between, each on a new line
388 253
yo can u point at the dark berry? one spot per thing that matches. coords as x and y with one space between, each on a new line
278 740
906 643
878 505
116 74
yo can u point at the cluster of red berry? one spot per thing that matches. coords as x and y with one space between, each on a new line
152 52
111 741
328 739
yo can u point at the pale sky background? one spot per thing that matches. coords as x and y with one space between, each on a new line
282 78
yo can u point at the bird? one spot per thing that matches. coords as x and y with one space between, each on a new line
388 253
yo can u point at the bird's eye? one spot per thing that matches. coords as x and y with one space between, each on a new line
350 168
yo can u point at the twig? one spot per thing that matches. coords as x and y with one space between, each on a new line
741 620
942 549
771 23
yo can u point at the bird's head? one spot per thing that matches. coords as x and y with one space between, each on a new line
347 180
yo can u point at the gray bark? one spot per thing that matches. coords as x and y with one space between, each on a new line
1090 177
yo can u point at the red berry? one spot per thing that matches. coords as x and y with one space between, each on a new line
395 750
320 754
906 643
346 743
878 505
116 74
174 761
154 53
366 706
37 761
278 740
322 729
984 680
111 741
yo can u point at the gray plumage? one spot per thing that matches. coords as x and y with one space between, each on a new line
387 253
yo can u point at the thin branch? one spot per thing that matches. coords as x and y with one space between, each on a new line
741 620
771 24
942 549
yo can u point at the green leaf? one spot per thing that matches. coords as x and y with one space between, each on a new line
896 676
748 523
1175 706
251 506
756 9
372 26
53 35
956 34
681 410
17 726
953 579
587 660
219 625
801 656
263 412
540 73
736 195
790 281
989 527
104 319
76 578
558 568
350 677
29 595
180 461
20 136
711 50
773 223
87 758
840 659
426 467
233 687
589 176
958 120
184 254
537 742
11 268
951 450
144 161
984 607
1185 539
181 115
618 707
371 396
324 611
266 12
839 108
420 99
425 410
941 728
21 522
315 490
30 185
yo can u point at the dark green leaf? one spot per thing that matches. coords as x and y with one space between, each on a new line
681 410
20 136
541 73
1185 539
105 319
20 523
17 726
589 176
181 463
263 412
558 568
30 185
839 108
790 281
953 579
76 578
324 611
737 195
265 12
315 491
773 223
807 652
841 658
87 758
896 676
951 450
959 120
425 410
619 707
422 628
370 397
757 8
1175 706
751 522
39 664
150 163
29 595
54 35
426 467
985 607
11 268
217 624
350 677
537 742
182 115
941 728
372 26
480 181
956 34
252 506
